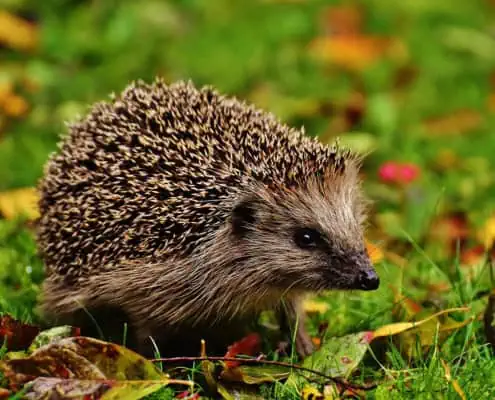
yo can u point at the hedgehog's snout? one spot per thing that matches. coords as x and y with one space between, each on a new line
366 276
367 280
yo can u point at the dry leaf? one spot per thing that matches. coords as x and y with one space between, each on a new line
19 202
399 327
15 334
459 122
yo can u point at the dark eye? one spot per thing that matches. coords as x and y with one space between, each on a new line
307 238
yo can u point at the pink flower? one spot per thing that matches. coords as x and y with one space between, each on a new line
389 171
409 173
398 173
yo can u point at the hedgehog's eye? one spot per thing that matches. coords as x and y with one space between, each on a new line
307 238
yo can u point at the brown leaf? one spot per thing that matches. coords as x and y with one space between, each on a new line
17 335
46 388
79 358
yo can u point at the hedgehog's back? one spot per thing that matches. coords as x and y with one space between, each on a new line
152 172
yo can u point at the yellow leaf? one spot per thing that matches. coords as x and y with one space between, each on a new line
312 306
18 202
16 32
375 253
487 234
425 336
15 106
399 327
310 393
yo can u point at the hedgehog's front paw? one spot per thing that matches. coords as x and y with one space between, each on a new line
304 344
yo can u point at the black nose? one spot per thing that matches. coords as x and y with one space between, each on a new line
368 280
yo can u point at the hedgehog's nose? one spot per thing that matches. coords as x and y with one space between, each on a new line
368 280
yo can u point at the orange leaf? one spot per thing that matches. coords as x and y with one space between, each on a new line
353 52
16 32
375 253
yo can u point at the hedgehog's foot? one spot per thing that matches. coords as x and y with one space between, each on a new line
304 344
292 317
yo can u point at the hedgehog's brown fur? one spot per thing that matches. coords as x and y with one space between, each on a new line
178 206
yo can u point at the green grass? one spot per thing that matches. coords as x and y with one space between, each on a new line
259 51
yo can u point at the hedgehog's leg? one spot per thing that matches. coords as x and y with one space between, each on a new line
292 317
63 303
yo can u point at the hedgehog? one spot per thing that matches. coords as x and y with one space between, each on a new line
185 213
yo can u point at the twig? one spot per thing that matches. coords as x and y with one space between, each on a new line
267 362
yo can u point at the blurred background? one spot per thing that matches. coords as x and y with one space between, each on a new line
410 82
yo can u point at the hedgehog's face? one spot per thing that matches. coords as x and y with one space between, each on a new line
306 239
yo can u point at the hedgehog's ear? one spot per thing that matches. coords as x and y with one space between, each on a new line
243 217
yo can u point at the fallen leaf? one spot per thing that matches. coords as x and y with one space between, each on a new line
249 345
255 374
16 32
45 388
19 202
15 334
459 122
339 356
76 362
399 327
53 335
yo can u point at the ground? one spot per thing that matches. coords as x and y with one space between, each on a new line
410 83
